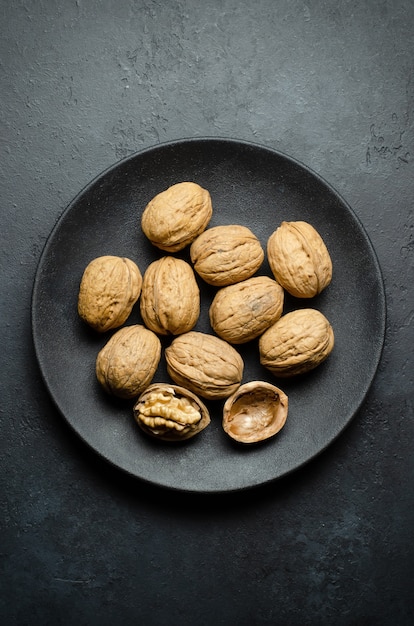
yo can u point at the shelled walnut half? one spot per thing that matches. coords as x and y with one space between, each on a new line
170 412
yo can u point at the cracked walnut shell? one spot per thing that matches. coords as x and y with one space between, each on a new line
299 259
242 312
255 412
170 412
298 342
109 288
205 364
225 255
176 216
128 361
170 297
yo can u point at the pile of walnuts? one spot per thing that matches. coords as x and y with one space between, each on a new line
245 307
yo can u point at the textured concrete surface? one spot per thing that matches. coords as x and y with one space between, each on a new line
84 84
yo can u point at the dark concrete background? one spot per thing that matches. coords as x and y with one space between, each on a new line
84 84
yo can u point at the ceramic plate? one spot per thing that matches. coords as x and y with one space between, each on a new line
250 185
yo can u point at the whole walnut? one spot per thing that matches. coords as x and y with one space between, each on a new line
109 288
242 312
170 297
205 364
298 342
225 255
128 361
299 259
176 216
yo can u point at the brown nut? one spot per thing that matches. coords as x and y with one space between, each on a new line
242 312
109 288
224 255
127 363
257 411
205 364
170 297
299 259
170 412
176 216
298 342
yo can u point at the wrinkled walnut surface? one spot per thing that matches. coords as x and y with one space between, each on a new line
170 297
224 255
299 259
255 412
242 312
298 342
205 364
127 363
176 216
170 412
109 288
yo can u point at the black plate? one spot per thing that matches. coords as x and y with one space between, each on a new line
250 185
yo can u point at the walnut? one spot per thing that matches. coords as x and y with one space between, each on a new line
109 288
299 259
205 364
298 342
255 412
224 255
127 363
242 312
176 216
170 297
170 412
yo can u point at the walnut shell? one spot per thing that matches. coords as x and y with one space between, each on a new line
170 297
225 255
170 412
255 412
205 364
298 342
176 216
242 312
128 361
109 288
299 259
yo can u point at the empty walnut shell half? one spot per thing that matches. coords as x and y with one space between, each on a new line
255 412
176 216
225 255
170 412
299 259
109 288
